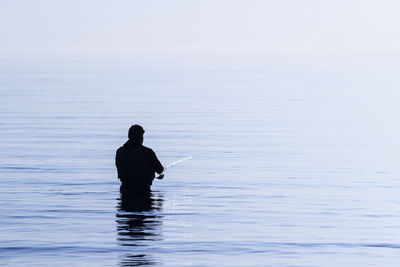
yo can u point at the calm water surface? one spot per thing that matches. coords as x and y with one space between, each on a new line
295 162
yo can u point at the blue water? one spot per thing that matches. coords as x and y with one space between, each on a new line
295 162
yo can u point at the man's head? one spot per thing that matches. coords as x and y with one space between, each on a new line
136 133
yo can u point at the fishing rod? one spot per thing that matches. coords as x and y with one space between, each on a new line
172 165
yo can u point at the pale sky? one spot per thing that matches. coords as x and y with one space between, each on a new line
170 28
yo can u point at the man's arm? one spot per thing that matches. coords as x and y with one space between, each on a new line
119 163
157 166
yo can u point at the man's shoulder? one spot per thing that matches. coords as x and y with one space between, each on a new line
120 149
148 149
124 147
140 149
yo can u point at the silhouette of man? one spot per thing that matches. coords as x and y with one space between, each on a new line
136 164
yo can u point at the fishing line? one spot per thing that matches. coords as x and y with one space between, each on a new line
172 165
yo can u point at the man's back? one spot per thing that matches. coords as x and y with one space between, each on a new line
136 164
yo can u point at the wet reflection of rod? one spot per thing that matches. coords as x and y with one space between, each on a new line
172 165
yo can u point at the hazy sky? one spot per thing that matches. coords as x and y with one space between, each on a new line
163 28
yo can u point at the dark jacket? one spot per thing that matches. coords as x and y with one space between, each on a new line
136 165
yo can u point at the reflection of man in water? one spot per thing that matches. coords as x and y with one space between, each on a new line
136 164
139 225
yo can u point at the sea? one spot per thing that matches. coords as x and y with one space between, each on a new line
295 161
